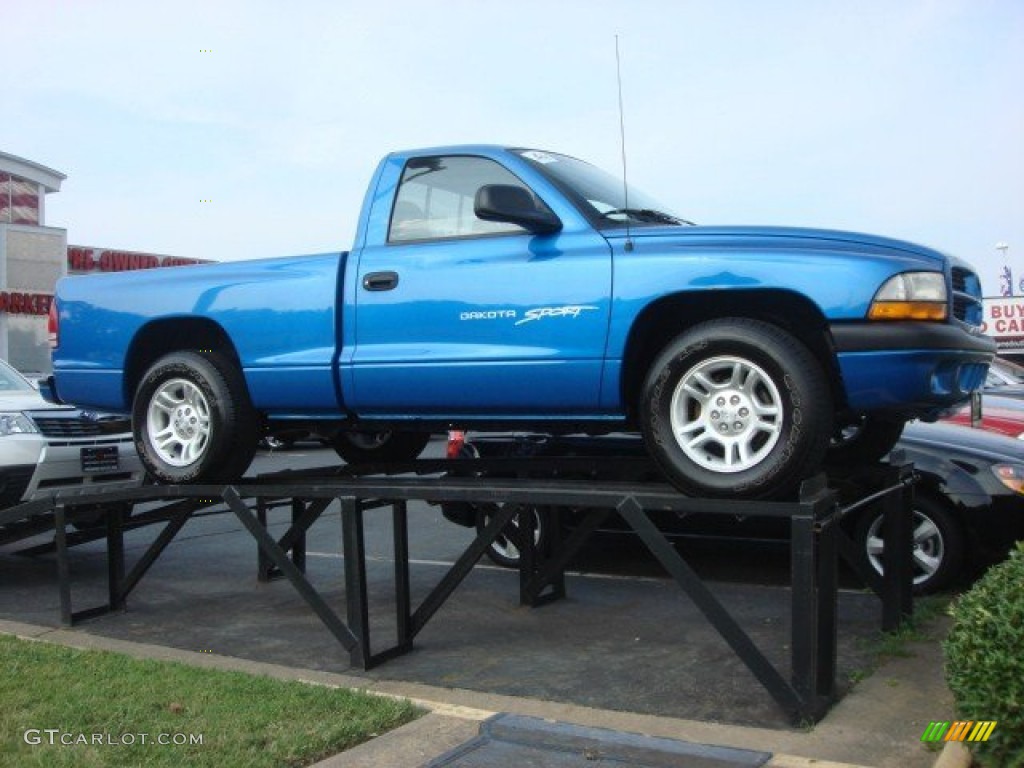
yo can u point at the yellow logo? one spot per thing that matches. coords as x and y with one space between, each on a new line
959 730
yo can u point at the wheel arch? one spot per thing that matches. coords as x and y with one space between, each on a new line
178 334
955 481
664 319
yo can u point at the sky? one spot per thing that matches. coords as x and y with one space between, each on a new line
228 130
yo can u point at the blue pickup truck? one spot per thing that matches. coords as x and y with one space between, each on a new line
498 287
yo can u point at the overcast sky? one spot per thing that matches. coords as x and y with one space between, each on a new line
903 118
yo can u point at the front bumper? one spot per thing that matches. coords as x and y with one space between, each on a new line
915 369
34 466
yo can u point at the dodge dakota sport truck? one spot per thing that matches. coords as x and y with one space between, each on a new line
507 288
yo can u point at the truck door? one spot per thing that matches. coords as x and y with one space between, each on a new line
460 316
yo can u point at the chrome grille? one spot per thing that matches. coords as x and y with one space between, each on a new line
75 425
55 426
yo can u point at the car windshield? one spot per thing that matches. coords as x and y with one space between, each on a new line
11 380
599 195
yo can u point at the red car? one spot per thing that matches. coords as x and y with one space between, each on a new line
1004 415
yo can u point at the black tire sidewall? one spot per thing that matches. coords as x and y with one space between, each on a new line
233 428
399 446
807 415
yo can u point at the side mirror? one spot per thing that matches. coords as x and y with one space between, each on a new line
514 205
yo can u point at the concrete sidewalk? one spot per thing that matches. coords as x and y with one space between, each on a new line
878 724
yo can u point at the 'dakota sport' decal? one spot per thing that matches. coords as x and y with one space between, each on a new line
531 315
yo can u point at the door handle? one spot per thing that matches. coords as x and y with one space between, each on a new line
380 281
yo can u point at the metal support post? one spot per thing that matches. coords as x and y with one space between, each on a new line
298 546
115 559
898 553
403 601
814 596
355 581
264 568
522 536
828 609
63 566
804 606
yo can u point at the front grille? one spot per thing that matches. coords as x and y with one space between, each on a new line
55 426
70 425
959 279
967 297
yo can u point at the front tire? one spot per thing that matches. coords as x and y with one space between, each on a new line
363 447
192 419
736 407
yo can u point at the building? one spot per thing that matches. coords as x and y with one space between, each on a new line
32 259
34 256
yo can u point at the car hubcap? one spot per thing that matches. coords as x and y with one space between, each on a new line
178 423
929 547
503 546
726 414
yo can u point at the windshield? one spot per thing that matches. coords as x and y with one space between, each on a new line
599 195
11 380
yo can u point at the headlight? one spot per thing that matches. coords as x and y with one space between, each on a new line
16 424
1010 475
911 296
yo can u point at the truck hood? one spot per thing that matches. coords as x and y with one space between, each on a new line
783 238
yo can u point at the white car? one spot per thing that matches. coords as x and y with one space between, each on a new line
46 447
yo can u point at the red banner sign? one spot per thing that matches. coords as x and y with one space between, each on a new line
81 259
16 303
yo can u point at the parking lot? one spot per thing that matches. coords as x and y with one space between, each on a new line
626 638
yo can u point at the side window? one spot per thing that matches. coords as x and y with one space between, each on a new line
435 199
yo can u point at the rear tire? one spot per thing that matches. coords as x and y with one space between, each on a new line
192 419
736 407
365 447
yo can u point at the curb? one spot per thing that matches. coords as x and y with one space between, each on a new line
954 755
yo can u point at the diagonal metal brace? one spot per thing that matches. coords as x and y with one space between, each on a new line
451 580
553 569
784 693
280 558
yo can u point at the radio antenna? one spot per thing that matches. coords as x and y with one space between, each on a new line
622 144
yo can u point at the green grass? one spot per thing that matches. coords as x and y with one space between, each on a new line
240 719
884 645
